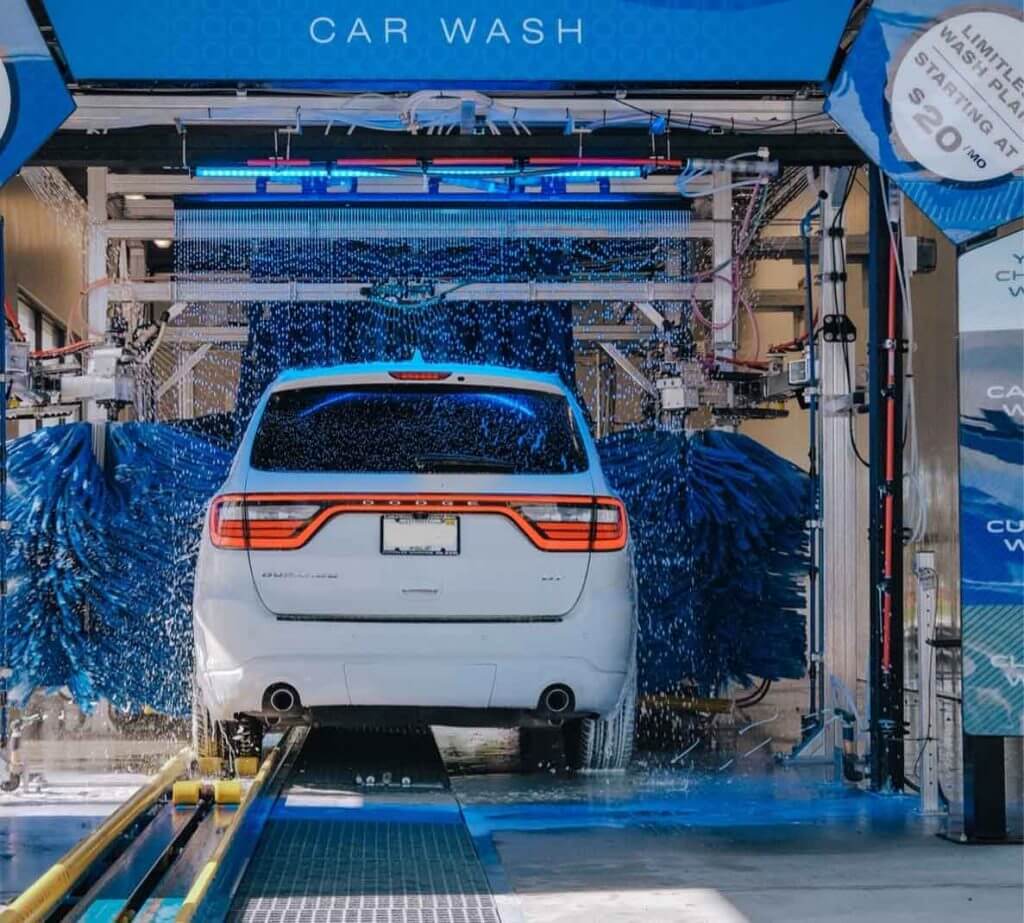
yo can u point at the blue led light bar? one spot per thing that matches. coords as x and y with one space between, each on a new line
262 172
291 174
593 173
283 174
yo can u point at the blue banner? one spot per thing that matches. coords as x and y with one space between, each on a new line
441 42
33 99
933 92
992 486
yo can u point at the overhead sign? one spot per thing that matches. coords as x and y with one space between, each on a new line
933 92
445 42
992 486
33 99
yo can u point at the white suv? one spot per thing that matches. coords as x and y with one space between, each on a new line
424 543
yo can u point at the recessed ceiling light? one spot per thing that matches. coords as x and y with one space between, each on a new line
135 197
162 244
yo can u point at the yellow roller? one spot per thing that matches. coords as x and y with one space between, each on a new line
247 766
201 885
210 766
227 792
187 792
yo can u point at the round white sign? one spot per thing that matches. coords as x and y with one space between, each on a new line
958 97
5 99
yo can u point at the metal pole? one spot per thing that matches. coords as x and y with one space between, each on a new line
843 527
816 703
885 352
927 708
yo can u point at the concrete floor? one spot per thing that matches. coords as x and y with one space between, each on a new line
754 849
739 844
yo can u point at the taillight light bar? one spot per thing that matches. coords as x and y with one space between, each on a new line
420 376
287 522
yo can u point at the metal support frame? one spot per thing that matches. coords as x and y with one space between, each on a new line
207 292
183 374
927 690
843 526
96 250
184 378
886 500
723 314
622 361
95 112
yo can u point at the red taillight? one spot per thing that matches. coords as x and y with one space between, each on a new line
286 522
595 525
246 522
420 376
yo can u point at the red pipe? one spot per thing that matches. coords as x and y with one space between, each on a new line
890 470
59 351
277 162
391 162
654 162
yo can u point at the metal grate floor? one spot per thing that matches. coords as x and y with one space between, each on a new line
400 857
333 870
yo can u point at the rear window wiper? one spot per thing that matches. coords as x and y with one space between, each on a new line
462 462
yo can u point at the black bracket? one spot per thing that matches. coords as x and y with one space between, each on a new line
838 328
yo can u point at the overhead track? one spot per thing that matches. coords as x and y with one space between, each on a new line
165 147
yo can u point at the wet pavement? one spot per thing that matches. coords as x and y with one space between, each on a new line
711 843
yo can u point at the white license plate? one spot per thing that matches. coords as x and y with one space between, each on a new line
428 535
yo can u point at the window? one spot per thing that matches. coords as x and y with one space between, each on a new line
418 429
41 331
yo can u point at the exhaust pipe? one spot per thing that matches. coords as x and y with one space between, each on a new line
281 699
557 700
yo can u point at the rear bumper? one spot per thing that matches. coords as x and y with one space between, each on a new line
439 683
242 649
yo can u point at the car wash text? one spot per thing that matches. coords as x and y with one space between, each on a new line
456 30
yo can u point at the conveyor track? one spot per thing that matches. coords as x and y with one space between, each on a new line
340 845
339 826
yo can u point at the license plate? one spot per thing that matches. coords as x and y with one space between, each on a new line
426 535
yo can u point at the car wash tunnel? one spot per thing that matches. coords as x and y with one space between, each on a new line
512 463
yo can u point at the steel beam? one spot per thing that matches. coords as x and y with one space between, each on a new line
845 602
186 366
206 292
723 310
107 111
162 147
96 255
123 229
624 363
239 334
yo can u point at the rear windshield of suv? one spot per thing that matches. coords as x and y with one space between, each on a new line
418 429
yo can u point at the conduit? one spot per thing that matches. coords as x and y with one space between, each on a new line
890 465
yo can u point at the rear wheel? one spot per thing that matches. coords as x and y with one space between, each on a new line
585 743
211 740
604 743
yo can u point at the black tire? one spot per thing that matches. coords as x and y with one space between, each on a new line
542 749
605 743
209 738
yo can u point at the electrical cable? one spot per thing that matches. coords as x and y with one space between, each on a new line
919 507
841 304
756 697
